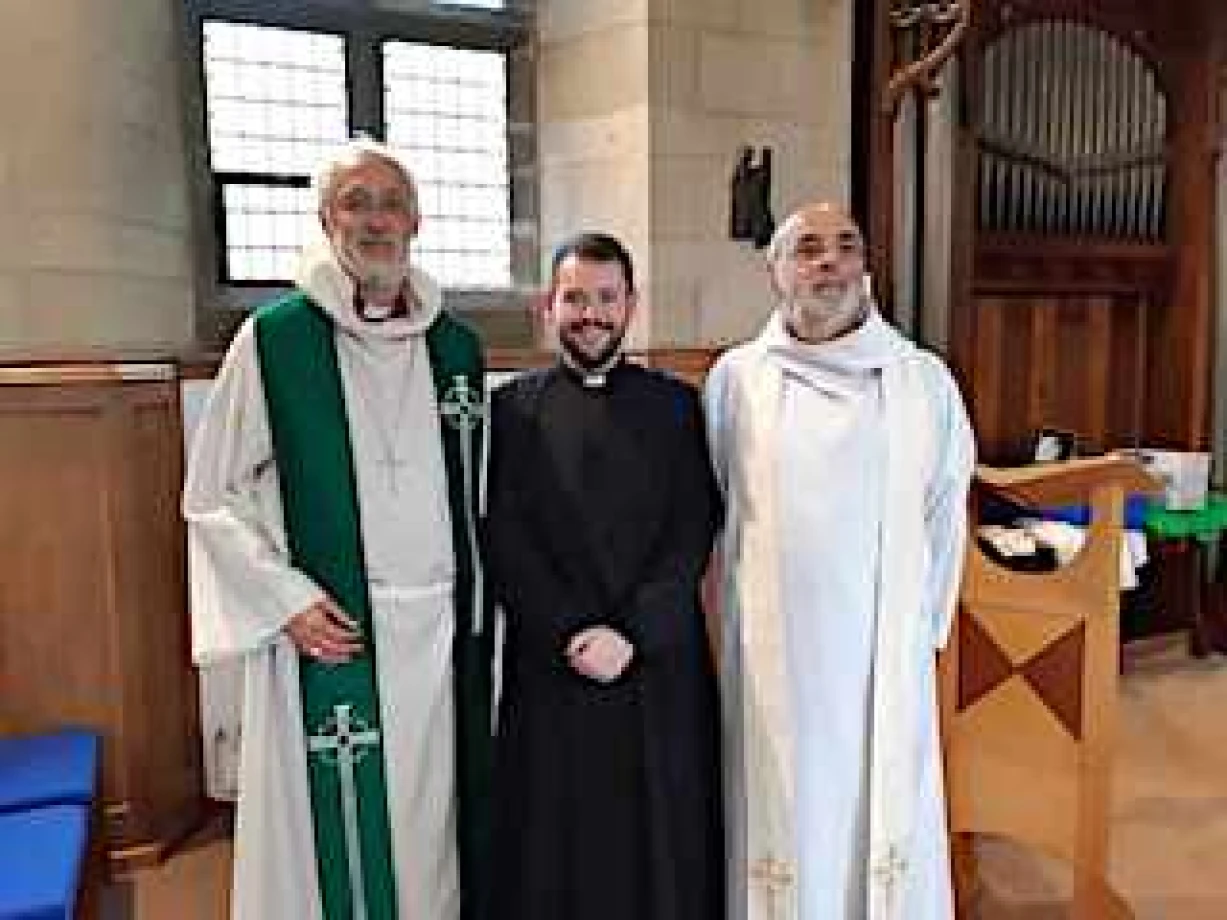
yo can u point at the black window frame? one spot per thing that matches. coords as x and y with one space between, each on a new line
364 27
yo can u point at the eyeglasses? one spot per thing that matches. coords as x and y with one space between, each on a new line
362 202
811 248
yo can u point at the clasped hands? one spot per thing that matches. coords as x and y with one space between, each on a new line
326 633
599 653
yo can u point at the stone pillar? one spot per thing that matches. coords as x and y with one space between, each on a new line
593 128
94 227
643 106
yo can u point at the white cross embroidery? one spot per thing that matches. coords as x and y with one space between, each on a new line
888 872
343 741
462 408
776 876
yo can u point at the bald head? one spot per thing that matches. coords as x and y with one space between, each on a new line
822 218
817 269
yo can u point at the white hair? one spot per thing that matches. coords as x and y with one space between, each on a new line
783 235
354 153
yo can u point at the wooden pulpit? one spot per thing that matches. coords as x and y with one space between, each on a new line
1029 686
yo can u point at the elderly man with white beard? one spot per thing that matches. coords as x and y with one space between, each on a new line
331 503
845 455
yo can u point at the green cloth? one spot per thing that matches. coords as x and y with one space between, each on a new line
1203 524
310 433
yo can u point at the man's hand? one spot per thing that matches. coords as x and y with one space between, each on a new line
325 632
600 653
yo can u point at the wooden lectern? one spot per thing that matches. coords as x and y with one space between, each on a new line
1029 686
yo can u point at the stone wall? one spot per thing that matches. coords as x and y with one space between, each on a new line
94 229
643 106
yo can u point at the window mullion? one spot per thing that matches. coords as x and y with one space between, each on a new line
277 97
364 72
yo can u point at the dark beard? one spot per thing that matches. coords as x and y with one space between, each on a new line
587 363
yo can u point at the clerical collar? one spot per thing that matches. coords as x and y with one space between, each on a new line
591 378
367 312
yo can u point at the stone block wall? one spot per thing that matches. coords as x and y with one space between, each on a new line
94 228
643 105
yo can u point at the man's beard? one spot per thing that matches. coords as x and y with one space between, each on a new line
373 274
815 317
584 360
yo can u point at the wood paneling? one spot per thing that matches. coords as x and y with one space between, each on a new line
1075 362
879 222
1098 380
1179 414
93 625
989 371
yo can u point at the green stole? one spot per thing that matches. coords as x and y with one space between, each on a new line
340 703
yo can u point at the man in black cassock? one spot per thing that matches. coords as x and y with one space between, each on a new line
602 509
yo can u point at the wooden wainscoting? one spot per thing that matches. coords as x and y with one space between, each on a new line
93 625
1062 335
1074 362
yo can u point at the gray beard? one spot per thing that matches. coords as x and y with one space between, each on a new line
817 319
369 276
382 277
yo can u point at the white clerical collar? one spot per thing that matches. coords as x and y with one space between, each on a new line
591 378
405 305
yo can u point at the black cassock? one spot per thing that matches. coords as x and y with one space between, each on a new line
602 509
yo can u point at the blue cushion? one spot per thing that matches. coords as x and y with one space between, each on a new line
49 769
42 852
1135 513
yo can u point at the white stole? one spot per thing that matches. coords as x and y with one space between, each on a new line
751 565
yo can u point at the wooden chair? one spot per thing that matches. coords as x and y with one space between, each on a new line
1029 687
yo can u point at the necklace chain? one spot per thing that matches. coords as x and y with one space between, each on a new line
388 434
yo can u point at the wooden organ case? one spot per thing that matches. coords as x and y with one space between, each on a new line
1085 304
